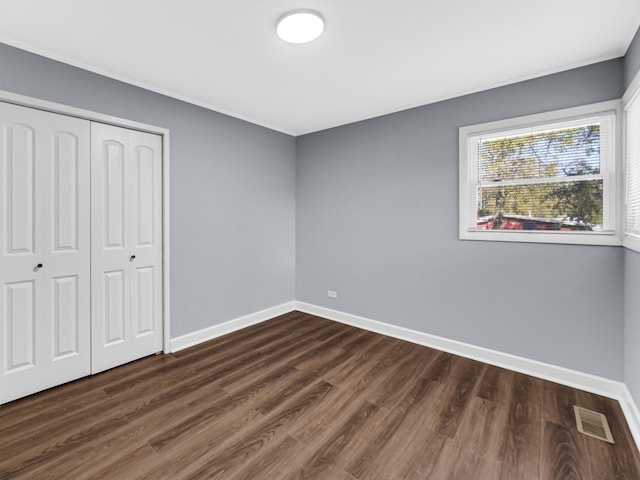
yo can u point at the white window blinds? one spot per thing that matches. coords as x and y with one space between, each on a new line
632 221
548 179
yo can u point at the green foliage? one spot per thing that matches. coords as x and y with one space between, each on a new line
581 201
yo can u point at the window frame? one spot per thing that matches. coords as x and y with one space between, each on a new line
630 241
611 172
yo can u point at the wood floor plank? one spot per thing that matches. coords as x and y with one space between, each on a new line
275 462
62 431
232 457
130 465
419 457
205 440
286 390
319 358
92 456
336 447
448 411
327 334
389 436
336 407
300 396
269 361
521 438
403 369
509 472
342 374
50 402
495 385
440 368
557 404
179 461
25 463
359 342
367 354
31 423
341 336
473 452
215 410
329 473
561 459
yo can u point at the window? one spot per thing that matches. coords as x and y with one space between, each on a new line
548 178
632 190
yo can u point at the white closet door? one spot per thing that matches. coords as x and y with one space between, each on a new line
126 236
44 250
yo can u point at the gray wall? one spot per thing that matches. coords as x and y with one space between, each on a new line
377 220
232 191
632 269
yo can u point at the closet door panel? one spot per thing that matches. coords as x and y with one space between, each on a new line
126 249
66 317
44 251
19 188
64 238
114 192
146 203
146 291
65 193
114 308
20 326
110 201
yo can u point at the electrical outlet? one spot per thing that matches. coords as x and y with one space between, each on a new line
332 294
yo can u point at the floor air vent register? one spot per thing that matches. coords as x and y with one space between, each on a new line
593 424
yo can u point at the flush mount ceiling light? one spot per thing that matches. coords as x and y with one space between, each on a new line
300 26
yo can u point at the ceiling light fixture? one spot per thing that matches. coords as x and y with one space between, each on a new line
300 26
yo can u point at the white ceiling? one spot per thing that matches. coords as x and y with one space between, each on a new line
375 56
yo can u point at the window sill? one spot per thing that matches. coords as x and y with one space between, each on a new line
606 238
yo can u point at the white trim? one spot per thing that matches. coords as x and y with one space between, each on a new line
627 403
632 89
146 86
631 413
555 116
628 241
194 338
32 102
632 243
565 376
535 236
166 246
612 177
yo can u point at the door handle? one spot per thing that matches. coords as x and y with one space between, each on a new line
38 267
133 257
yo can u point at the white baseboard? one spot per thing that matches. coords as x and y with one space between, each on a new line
565 376
194 338
632 414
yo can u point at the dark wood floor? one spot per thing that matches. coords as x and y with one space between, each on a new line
304 397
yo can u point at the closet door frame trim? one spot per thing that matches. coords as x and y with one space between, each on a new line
31 102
